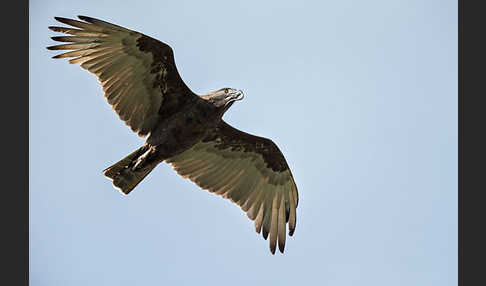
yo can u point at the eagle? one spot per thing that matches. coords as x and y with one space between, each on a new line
186 130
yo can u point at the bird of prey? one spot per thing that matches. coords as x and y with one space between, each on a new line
141 82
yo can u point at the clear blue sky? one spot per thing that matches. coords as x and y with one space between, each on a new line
361 97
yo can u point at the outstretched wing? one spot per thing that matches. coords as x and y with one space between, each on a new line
138 73
250 171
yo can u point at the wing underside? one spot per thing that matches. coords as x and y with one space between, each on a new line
137 73
239 172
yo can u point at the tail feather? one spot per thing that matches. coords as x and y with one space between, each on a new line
125 177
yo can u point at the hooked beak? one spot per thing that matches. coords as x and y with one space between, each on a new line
236 96
239 95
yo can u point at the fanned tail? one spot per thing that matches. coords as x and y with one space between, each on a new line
131 170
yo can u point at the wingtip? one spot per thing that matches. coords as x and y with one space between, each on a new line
60 19
84 18
272 250
265 234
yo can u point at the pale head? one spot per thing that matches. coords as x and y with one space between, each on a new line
224 96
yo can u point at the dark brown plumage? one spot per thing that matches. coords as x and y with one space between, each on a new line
141 82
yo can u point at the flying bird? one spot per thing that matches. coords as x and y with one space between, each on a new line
141 82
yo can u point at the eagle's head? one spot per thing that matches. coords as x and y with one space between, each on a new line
224 97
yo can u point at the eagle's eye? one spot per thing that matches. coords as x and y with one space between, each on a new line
225 90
